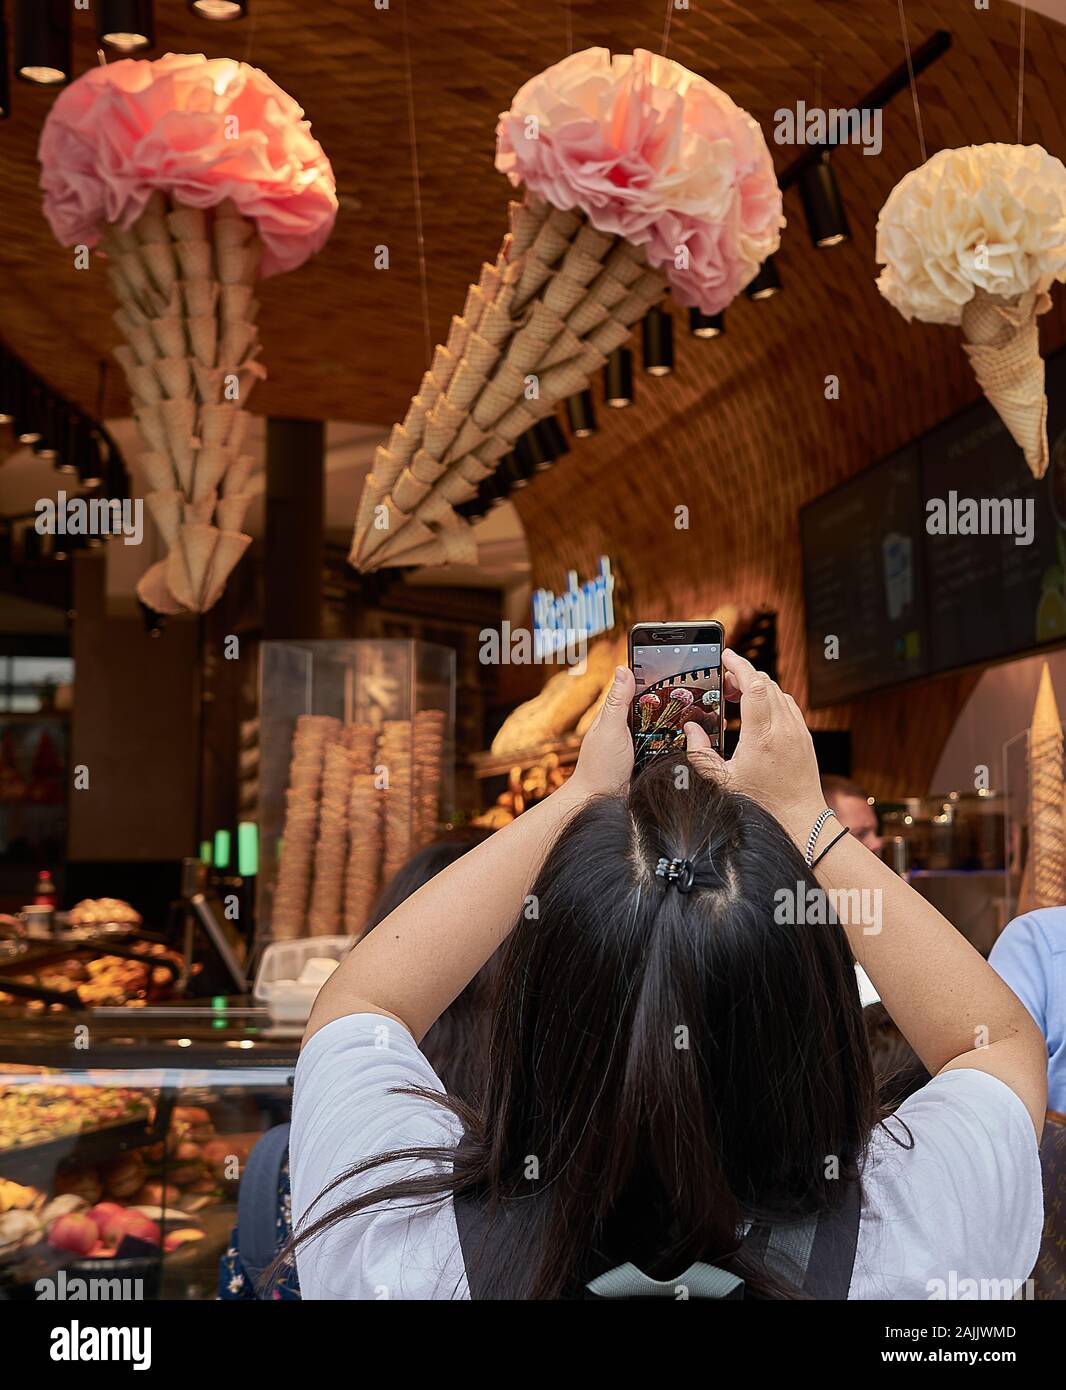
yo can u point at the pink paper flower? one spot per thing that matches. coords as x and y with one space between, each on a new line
651 152
199 129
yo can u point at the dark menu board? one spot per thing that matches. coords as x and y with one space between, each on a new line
995 579
948 554
862 580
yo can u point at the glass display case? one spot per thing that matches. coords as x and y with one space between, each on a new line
123 1142
356 773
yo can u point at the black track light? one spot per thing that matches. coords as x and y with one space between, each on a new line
219 9
767 282
551 440
822 204
658 336
53 430
127 26
581 413
702 325
43 46
618 379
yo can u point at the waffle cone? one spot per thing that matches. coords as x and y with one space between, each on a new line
202 511
231 511
187 224
542 309
188 564
174 376
1002 343
235 480
194 258
154 591
166 512
210 466
1047 833
238 265
203 336
200 297
238 337
225 557
162 268
216 421
159 471
238 303
169 335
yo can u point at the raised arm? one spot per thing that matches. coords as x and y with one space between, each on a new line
952 1008
415 962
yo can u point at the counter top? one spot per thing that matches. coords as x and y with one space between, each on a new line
230 1034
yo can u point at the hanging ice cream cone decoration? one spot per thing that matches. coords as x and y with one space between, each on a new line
976 237
235 196
1047 830
616 155
1003 345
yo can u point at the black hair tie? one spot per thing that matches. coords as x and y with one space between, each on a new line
679 872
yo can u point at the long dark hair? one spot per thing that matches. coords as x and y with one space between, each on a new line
457 1044
663 1066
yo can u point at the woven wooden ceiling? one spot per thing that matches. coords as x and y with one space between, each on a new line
742 432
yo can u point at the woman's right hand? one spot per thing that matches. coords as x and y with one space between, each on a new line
774 762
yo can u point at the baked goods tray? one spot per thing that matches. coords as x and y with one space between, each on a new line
28 1162
495 765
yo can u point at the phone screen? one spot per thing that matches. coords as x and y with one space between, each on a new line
678 683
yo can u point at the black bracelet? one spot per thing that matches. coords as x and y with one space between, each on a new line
829 846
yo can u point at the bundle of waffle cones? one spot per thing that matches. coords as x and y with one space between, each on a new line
360 802
1047 828
1003 345
183 278
560 297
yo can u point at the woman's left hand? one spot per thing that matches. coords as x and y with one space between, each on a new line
605 763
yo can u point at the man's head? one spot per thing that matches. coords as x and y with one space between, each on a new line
849 803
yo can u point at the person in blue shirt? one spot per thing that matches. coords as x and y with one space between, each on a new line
1030 956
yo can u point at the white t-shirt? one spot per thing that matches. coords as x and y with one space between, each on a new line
963 1204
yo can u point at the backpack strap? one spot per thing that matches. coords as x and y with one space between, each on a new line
257 1202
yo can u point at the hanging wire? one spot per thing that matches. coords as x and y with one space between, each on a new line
914 85
666 26
1021 71
416 179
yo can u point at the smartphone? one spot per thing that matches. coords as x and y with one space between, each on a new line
678 671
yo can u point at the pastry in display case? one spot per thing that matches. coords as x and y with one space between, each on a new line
122 1168
356 775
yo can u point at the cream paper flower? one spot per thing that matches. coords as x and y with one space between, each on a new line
984 217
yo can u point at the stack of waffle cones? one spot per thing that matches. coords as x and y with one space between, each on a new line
361 883
559 299
427 757
184 278
331 851
1002 343
347 828
395 753
314 734
1047 830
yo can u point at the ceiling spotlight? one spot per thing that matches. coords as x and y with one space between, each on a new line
517 468
125 25
219 9
822 203
43 52
5 85
618 379
581 413
85 453
658 334
551 440
702 325
766 283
